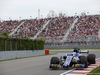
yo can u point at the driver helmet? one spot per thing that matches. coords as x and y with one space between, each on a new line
74 53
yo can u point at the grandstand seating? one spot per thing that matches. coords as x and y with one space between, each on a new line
8 26
86 28
56 29
30 28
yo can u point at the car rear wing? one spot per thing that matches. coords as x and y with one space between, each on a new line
84 51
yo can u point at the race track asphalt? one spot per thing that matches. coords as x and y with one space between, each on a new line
34 65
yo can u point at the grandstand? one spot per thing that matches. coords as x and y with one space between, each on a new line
8 26
56 31
86 28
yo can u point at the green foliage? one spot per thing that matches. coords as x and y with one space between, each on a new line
44 30
8 44
41 43
96 70
36 44
5 34
2 44
25 37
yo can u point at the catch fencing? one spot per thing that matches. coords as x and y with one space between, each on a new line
73 44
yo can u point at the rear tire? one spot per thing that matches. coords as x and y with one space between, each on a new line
83 60
91 58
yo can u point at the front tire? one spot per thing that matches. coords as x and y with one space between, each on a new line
91 58
54 61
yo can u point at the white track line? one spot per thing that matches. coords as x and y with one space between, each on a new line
92 66
67 72
74 69
88 68
80 71
97 59
74 74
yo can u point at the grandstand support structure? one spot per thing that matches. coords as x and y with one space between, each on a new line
71 27
41 30
16 29
99 33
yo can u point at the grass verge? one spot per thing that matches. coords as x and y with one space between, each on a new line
96 71
27 57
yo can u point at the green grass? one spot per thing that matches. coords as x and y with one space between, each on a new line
96 70
27 57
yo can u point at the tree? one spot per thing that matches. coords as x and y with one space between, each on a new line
5 34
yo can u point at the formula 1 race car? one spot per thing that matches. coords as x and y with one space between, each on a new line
74 60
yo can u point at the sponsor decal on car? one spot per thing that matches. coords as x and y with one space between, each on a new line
68 60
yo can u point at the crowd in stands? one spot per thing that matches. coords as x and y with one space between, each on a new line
56 29
86 28
8 26
30 27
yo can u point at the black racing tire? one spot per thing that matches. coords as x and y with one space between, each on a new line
91 58
83 60
54 60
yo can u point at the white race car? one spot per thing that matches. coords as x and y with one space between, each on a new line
76 60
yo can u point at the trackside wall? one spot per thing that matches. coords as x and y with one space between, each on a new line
4 55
